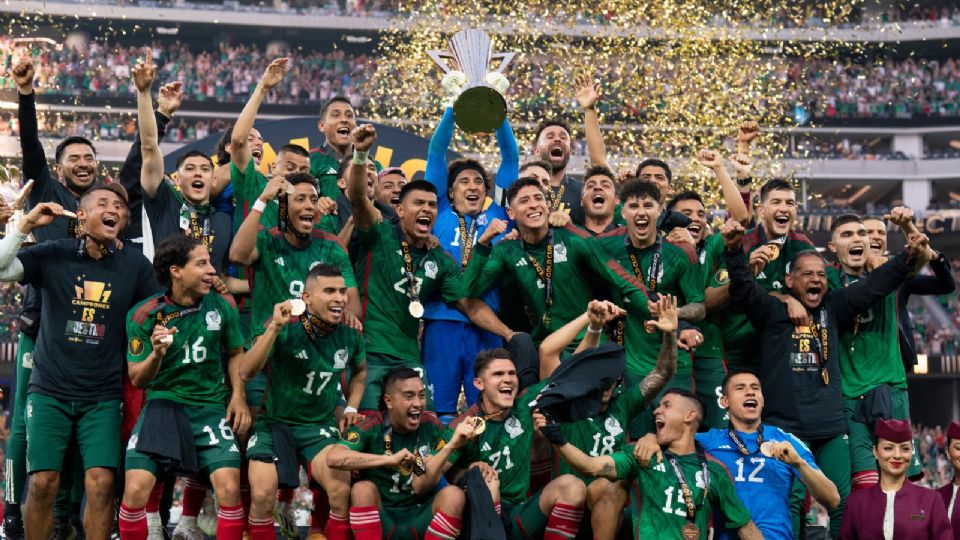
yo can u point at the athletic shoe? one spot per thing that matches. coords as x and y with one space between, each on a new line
285 517
13 528
154 526
207 520
187 529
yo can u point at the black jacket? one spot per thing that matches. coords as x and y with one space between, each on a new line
941 282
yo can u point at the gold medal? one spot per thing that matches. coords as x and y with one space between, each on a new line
690 532
480 425
404 470
774 250
415 309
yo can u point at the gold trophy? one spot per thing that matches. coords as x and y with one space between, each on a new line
480 106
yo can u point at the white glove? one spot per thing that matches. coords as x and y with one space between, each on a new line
498 81
453 83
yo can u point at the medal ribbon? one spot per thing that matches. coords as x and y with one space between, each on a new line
845 281
164 319
466 239
408 270
418 463
740 444
820 337
653 271
545 273
198 231
556 199
313 325
685 488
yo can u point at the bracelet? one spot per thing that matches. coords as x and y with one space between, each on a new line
590 330
359 157
348 410
744 182
259 206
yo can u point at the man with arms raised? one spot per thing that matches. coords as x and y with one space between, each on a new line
396 494
87 285
308 349
675 498
398 272
174 348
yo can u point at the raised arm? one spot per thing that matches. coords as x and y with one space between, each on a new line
239 149
364 213
588 96
256 357
34 159
819 485
594 466
744 291
151 172
243 249
481 315
509 169
169 99
736 208
666 323
436 172
598 313
941 282
438 463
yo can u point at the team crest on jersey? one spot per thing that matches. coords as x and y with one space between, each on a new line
513 427
430 269
699 480
482 220
425 450
722 276
340 359
213 321
612 425
777 285
135 347
352 437
560 253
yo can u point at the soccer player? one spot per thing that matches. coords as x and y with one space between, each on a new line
399 272
770 246
503 446
599 200
280 257
801 363
174 348
895 507
540 169
658 172
552 144
391 449
605 433
87 286
307 355
675 498
75 170
389 183
765 459
337 122
170 210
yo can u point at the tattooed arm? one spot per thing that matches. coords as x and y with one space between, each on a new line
342 458
666 322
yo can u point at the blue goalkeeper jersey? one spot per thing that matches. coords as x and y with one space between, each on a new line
762 483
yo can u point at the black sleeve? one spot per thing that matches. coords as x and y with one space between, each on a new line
941 282
746 293
34 259
129 175
34 160
147 284
862 295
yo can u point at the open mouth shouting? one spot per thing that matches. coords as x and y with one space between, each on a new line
413 417
812 295
557 151
856 253
598 201
751 405
659 423
306 219
336 312
423 224
782 222
642 224
695 230
111 223
876 246
472 198
257 152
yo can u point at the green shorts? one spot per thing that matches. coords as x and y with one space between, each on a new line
51 423
310 441
212 436
524 521
255 388
642 424
861 435
377 367
406 522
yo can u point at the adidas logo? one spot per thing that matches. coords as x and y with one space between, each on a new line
331 170
233 448
485 447
762 275
279 261
302 355
522 262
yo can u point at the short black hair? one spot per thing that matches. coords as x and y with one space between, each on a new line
685 196
792 265
466 164
76 139
550 123
542 163
486 356
636 188
391 379
599 170
521 183
733 373
331 101
416 185
296 178
843 220
220 152
656 162
324 270
191 153
113 187
174 251
294 149
698 403
777 184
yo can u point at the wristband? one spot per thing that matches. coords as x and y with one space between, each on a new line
348 410
590 330
744 182
259 206
359 157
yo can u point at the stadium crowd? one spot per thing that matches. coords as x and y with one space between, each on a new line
501 354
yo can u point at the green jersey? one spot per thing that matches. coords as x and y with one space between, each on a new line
247 187
870 354
281 269
574 265
325 167
191 371
661 268
504 445
660 507
385 291
739 338
395 485
304 369
710 254
604 434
